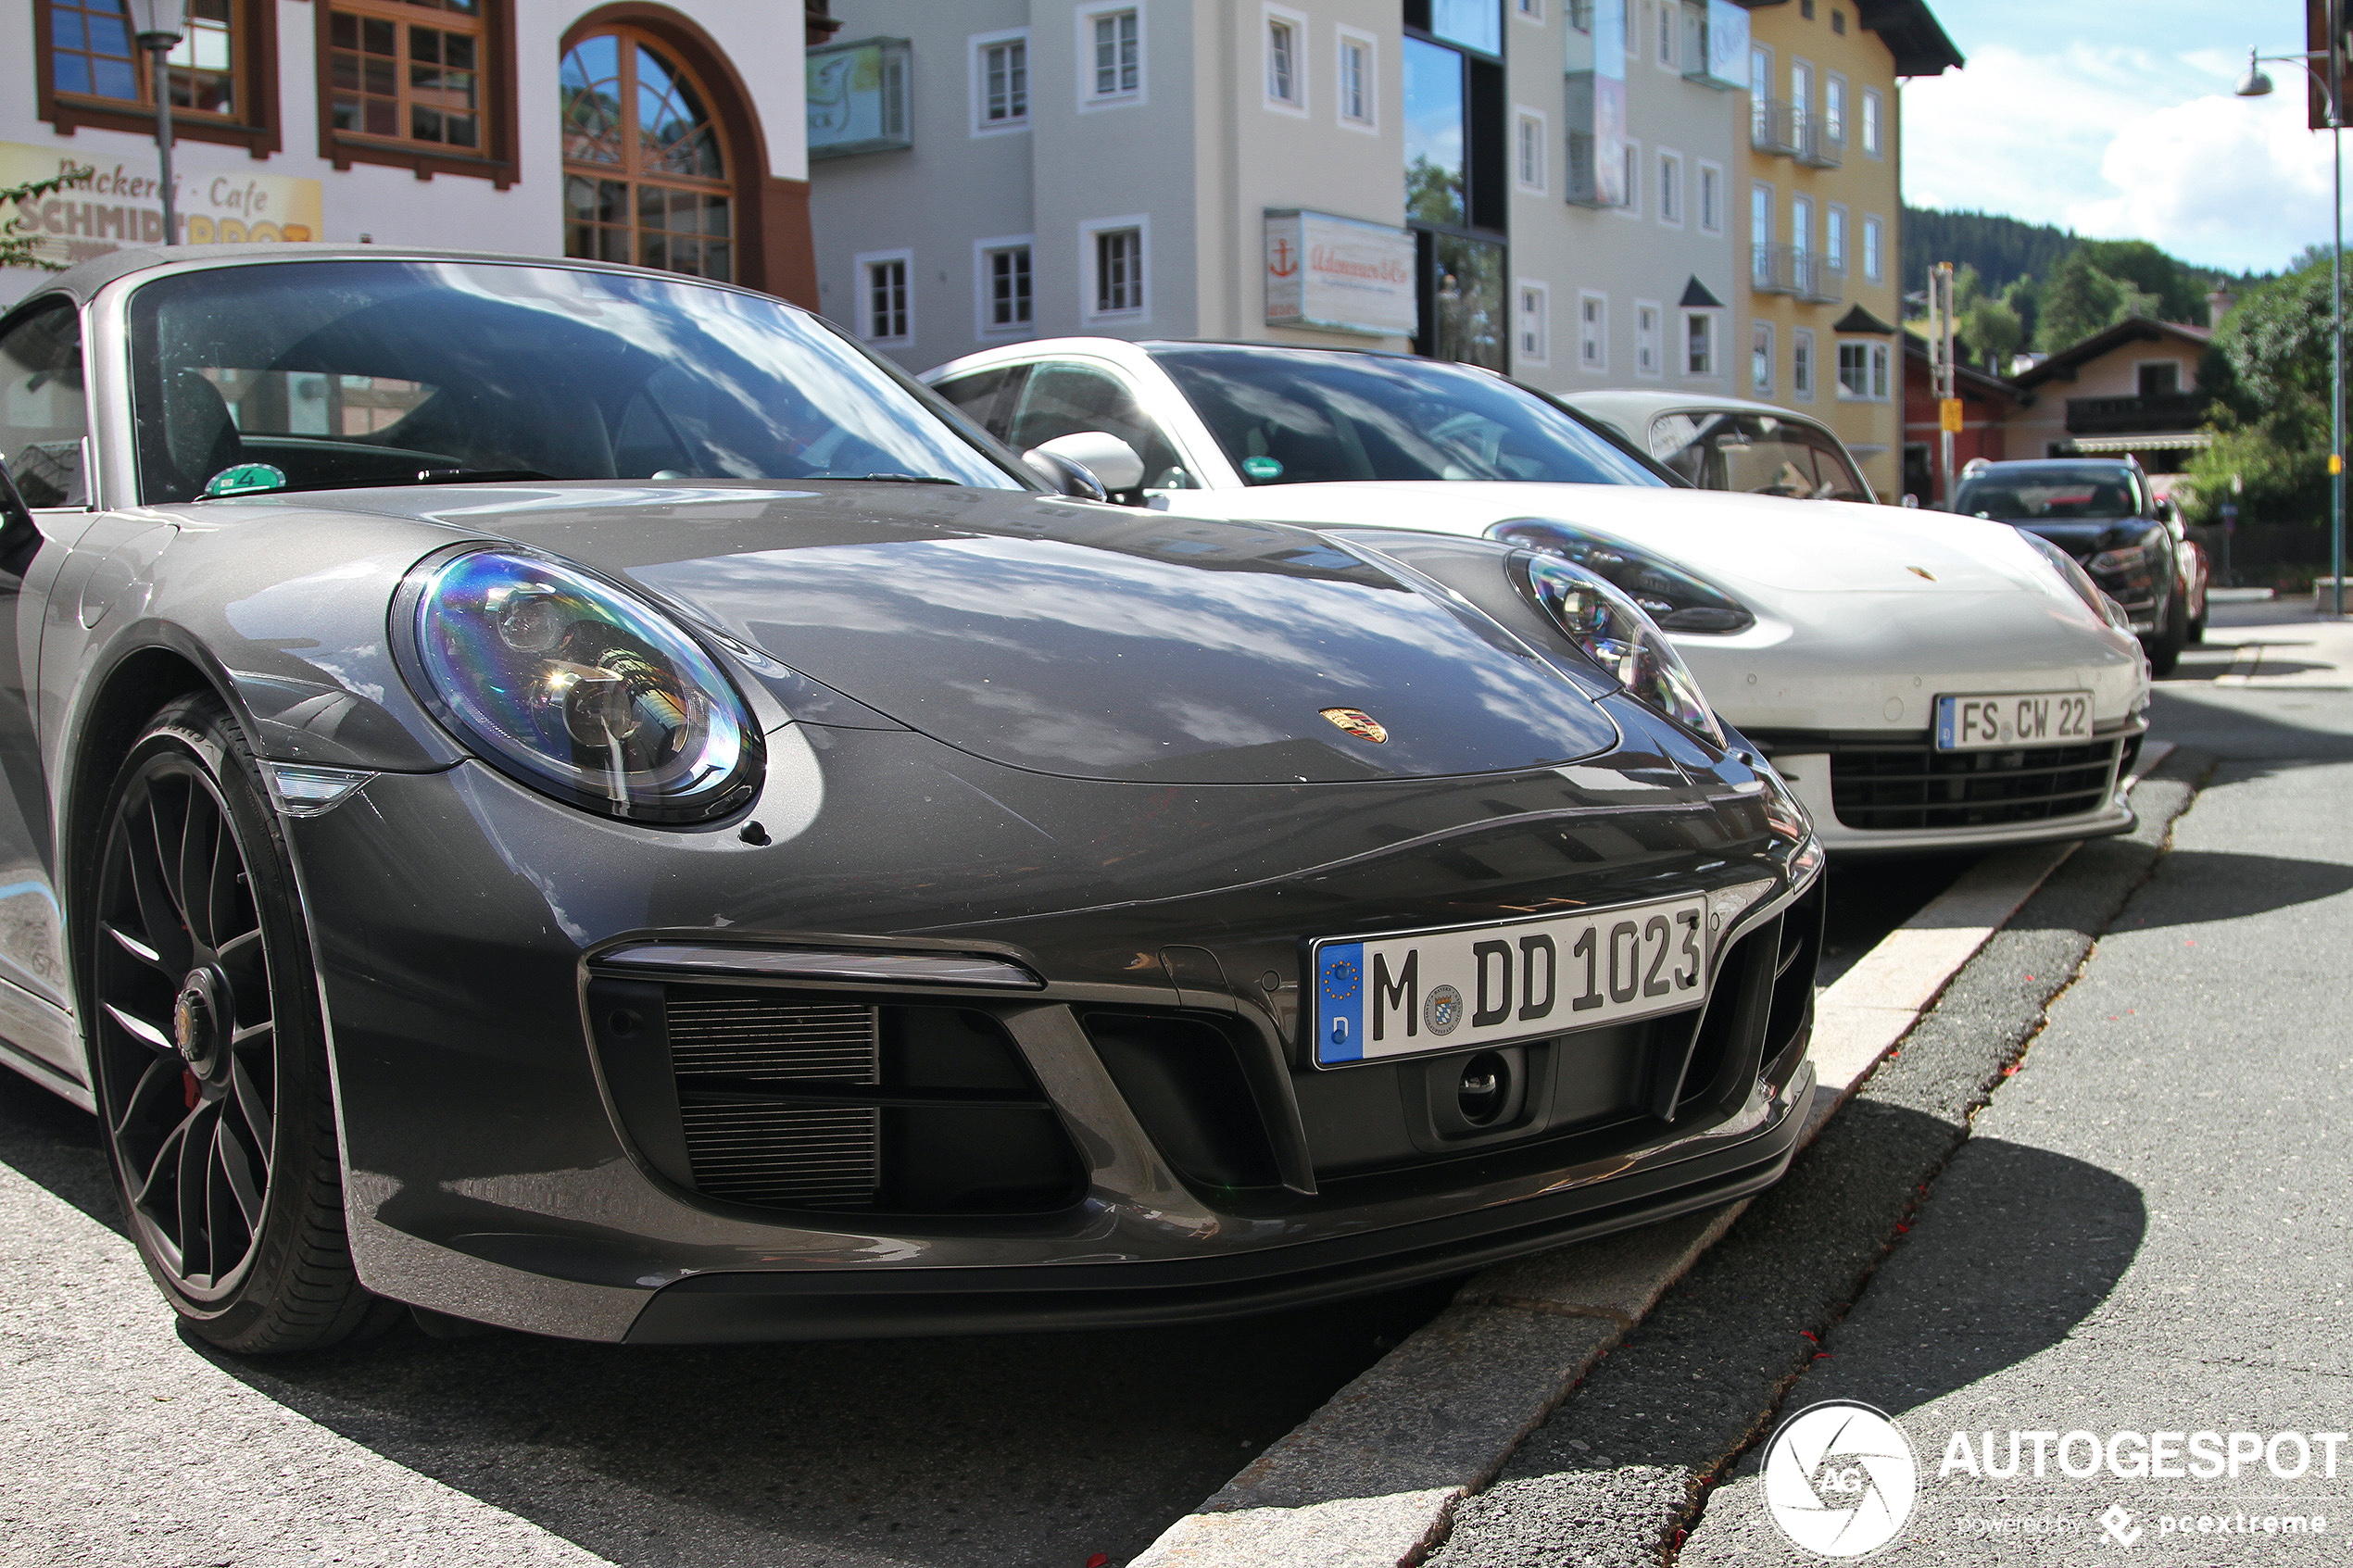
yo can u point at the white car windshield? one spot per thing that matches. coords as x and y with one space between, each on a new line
1289 416
331 374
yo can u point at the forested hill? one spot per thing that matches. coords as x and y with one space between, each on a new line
2002 249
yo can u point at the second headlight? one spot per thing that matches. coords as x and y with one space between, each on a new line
1609 628
1674 598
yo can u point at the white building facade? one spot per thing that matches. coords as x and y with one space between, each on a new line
1408 174
667 136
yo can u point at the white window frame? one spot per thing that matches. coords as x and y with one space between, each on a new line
1761 202
1269 19
1670 188
1804 357
1875 363
1593 332
1801 102
1637 176
1874 237
1531 132
1837 238
980 44
1370 122
1541 313
1834 87
1668 15
1706 168
1874 137
1530 11
983 295
1089 286
1714 368
1761 368
1800 227
863 266
1086 17
1760 68
1657 315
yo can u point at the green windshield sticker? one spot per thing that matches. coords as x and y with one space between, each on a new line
1262 468
245 479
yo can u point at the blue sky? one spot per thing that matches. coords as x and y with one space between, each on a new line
2116 119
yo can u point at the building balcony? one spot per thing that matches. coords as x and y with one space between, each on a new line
1817 147
1801 274
1818 282
1773 126
2128 416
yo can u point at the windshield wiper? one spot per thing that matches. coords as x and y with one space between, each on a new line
887 478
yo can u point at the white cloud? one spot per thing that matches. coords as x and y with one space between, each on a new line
2122 143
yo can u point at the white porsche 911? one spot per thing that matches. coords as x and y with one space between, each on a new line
1921 683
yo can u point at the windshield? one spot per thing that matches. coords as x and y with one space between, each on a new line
1761 454
1305 416
327 374
2100 495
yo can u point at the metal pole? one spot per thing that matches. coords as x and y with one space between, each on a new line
2336 308
163 144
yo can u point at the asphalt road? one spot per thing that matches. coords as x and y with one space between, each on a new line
2102 1189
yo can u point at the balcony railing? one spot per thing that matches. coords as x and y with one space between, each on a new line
1820 282
1816 147
2128 416
1805 274
1773 126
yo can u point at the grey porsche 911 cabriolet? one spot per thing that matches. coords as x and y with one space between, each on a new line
577 799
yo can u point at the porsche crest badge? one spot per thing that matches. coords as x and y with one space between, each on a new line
1358 723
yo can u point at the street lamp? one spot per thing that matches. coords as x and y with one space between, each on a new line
2259 85
159 24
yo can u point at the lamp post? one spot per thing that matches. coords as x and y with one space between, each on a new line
159 24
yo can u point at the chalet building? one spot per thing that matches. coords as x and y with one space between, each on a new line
2131 389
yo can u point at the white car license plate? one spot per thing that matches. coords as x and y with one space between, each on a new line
2007 719
1425 992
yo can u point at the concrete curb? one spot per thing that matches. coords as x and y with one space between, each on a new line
1372 1478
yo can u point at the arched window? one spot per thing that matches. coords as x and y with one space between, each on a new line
645 180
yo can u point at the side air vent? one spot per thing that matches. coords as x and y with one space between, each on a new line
755 1038
787 1156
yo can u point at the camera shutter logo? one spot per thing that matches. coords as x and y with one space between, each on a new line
1840 1479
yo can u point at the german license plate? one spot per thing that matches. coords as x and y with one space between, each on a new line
2007 719
1425 992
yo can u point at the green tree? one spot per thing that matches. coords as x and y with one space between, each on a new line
2179 293
2267 375
18 235
2080 299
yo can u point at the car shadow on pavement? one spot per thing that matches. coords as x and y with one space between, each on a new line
1008 1451
2231 886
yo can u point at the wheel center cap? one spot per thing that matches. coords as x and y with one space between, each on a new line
193 1030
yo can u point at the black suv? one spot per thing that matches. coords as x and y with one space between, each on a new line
2103 512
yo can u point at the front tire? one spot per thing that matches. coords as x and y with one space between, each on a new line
210 1055
2171 636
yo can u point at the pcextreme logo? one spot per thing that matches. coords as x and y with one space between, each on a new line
1840 1479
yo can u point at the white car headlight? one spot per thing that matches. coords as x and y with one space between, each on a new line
1613 631
2080 581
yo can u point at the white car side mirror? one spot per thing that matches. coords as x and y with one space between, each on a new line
1109 459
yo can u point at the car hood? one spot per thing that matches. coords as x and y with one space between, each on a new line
1757 542
1071 638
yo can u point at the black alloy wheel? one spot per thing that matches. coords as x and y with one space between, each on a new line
2171 636
209 1054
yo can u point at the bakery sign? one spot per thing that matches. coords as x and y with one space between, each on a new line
121 205
1340 275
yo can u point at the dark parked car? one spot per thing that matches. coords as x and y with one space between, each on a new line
577 799
2103 513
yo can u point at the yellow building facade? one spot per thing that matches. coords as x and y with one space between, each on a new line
1818 201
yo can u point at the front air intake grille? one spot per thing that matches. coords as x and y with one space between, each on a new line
762 1040
796 1157
1898 788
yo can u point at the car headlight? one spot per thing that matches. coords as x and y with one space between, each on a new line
2131 557
1667 593
1615 634
577 687
2076 578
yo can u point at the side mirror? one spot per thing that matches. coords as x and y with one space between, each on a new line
1067 478
1112 462
2165 510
